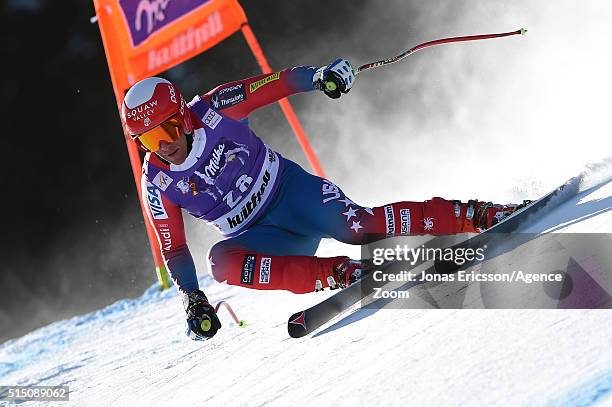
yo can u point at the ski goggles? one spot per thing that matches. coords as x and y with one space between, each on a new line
169 131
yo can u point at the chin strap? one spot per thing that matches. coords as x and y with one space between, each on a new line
189 137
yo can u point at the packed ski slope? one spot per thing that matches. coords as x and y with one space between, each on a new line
134 353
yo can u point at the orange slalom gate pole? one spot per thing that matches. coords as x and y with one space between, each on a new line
284 103
119 82
160 266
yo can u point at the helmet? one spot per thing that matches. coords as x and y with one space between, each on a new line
154 110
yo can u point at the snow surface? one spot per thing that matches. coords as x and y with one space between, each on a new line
134 352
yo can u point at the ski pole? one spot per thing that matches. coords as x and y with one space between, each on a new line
206 323
240 322
331 86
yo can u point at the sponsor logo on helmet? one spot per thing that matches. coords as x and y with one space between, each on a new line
262 82
147 121
264 270
142 111
172 94
182 108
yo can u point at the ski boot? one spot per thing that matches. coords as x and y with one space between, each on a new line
488 214
347 272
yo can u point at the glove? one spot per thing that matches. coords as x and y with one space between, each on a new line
335 78
202 320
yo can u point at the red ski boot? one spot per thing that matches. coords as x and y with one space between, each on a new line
345 272
489 214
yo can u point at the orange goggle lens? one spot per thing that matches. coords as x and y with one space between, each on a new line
169 131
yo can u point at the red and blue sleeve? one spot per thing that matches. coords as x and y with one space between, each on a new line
239 98
167 221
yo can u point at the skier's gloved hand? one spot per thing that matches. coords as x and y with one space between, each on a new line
335 78
202 320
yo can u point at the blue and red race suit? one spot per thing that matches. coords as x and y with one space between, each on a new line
272 212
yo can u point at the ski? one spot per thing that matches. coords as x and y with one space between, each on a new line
306 321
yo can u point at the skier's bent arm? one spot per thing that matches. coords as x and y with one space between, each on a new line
167 221
239 98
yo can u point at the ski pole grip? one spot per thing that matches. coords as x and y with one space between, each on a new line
205 324
330 86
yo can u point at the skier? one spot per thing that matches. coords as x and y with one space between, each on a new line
202 157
